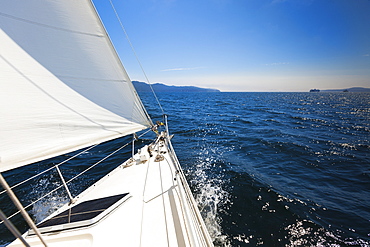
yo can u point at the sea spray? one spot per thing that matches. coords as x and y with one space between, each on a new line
305 154
51 202
211 198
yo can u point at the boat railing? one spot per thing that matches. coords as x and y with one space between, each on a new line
194 212
65 182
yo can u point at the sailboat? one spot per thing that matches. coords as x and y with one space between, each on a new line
63 88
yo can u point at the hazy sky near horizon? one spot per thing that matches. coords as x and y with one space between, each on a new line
244 45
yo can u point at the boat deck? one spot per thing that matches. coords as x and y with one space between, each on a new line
154 207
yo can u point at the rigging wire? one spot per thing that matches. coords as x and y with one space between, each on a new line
136 56
57 165
70 180
13 229
20 207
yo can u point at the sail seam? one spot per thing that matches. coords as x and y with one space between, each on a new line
49 26
88 79
59 101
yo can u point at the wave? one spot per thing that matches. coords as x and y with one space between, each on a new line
209 191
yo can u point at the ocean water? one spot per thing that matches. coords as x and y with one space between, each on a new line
267 169
277 169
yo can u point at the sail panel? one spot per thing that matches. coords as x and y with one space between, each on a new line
62 85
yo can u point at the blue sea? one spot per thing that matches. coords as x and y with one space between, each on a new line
267 169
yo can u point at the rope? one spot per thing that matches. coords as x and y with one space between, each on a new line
136 56
142 208
163 203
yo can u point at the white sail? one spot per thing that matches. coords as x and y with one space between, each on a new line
62 86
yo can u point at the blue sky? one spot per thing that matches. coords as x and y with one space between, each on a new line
244 45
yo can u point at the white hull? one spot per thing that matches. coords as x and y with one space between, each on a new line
158 211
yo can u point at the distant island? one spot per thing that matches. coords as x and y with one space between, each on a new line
159 87
352 89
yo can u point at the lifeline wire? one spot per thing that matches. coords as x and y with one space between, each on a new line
32 203
13 229
20 207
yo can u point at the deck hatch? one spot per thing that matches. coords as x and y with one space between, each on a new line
83 214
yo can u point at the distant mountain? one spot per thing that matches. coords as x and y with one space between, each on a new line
352 89
159 87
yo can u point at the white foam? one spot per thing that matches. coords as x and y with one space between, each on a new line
50 203
210 197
